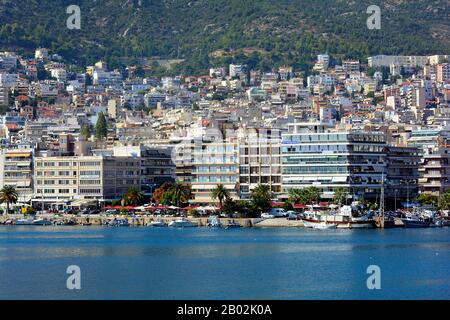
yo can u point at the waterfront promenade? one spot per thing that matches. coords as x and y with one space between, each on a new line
144 220
137 220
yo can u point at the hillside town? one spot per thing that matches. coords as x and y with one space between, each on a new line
74 136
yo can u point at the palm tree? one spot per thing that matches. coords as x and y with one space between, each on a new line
133 196
340 195
297 195
261 197
313 194
9 195
180 192
220 193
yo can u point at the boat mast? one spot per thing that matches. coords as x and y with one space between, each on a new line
382 201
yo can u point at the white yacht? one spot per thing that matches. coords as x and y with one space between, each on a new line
183 223
41 222
24 222
157 224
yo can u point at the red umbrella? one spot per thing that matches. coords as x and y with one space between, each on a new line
299 206
128 208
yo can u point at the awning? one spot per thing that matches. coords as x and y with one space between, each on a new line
82 202
340 179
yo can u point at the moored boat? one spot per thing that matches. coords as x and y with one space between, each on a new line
233 224
415 221
182 223
41 222
119 223
324 226
24 222
345 217
157 224
214 222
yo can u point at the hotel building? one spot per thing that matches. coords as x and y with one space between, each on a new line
313 154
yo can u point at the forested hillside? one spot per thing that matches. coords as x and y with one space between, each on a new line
258 32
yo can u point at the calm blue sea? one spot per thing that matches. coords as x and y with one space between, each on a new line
146 263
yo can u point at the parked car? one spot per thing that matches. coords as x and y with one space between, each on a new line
94 211
278 212
292 215
267 216
68 211
84 211
111 211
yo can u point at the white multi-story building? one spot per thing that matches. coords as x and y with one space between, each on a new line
8 79
403 61
315 155
16 169
236 70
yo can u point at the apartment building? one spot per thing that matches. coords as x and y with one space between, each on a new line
215 163
404 61
435 171
156 165
315 155
60 180
443 72
402 174
16 169
4 96
259 160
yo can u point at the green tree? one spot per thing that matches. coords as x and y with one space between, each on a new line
340 195
177 193
444 201
229 206
304 196
8 195
101 129
297 196
133 197
428 199
313 194
220 193
86 131
261 198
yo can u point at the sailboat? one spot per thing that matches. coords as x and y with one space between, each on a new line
384 221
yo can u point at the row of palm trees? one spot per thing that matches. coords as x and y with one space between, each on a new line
178 193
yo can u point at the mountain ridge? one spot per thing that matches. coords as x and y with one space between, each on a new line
284 31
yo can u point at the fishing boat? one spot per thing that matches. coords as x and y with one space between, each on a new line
182 223
324 226
345 217
416 221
